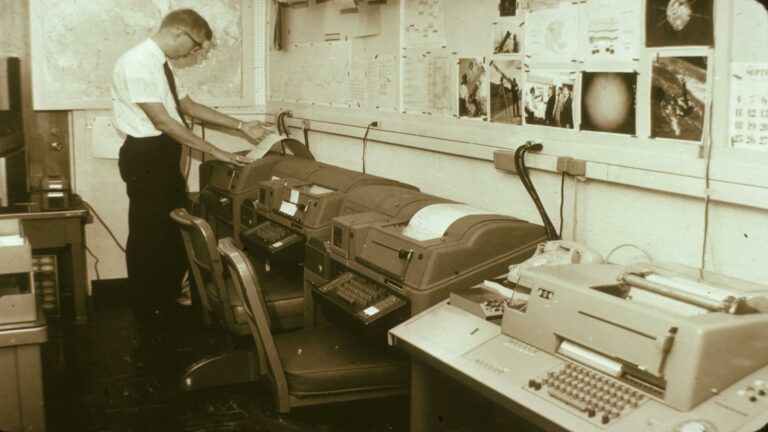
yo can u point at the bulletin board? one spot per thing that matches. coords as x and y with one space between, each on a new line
75 45
630 69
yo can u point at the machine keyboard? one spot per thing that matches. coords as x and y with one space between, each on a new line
270 237
270 232
361 297
592 393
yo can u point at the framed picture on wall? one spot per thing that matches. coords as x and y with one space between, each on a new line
608 102
473 89
678 23
678 97
548 98
507 8
507 38
506 78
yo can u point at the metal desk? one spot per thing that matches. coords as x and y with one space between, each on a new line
21 401
61 229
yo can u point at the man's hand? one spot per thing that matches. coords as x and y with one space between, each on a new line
232 158
256 130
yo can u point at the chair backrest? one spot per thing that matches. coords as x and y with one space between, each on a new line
248 288
205 264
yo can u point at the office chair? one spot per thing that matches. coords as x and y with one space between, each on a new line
318 365
218 297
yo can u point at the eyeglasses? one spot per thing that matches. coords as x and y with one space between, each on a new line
198 45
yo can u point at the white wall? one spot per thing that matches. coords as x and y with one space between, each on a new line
639 192
12 28
668 225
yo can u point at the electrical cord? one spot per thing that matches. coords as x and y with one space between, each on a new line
647 255
522 172
707 162
95 262
365 140
285 127
562 201
202 132
95 213
282 129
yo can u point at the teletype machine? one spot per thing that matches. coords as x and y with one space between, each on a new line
298 202
646 347
224 186
407 253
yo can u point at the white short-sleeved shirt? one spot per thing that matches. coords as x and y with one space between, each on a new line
138 77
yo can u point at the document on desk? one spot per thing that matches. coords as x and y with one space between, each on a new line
432 221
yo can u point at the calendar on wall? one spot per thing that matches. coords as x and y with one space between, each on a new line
749 106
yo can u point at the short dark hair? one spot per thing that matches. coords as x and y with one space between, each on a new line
189 20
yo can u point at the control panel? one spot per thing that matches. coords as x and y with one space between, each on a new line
270 237
362 298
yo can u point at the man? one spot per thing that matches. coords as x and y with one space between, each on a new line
564 110
549 112
148 107
515 98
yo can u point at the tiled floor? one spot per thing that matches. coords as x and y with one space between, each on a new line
119 374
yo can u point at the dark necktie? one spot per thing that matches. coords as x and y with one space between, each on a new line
172 85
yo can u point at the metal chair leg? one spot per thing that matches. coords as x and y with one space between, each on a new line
221 369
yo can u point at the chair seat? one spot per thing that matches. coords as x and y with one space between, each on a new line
332 359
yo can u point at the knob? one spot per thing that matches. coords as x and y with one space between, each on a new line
224 200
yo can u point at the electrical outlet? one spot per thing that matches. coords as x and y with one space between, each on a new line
576 167
562 164
571 166
504 160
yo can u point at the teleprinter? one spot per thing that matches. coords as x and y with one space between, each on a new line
409 251
225 186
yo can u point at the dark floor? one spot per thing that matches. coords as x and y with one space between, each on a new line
119 374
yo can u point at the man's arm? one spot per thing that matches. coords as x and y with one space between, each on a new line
252 130
171 127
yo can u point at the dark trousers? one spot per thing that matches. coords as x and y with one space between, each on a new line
155 254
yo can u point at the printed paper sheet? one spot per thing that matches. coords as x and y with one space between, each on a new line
749 106
422 23
432 221
551 35
613 30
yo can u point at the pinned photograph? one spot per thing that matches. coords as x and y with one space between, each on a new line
473 90
678 97
608 101
678 23
507 37
507 8
548 98
506 80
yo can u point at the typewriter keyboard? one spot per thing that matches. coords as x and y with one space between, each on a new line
594 394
